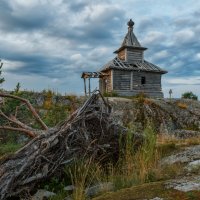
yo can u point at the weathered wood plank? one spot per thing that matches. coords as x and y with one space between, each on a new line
134 55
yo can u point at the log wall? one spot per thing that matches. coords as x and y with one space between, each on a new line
121 80
128 83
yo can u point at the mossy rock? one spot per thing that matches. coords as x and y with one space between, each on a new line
149 191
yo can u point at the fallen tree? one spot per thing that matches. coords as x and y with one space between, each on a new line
89 131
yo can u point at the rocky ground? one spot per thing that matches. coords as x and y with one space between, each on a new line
184 186
177 119
173 118
190 158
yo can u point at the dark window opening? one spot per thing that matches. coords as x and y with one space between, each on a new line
143 80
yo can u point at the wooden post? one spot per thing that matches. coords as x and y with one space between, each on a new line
89 87
131 83
85 89
170 93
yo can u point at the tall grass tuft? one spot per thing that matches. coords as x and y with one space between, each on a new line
146 158
83 173
135 166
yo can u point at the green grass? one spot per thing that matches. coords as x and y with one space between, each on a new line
83 173
135 166
8 148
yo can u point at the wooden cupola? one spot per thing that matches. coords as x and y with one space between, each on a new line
131 51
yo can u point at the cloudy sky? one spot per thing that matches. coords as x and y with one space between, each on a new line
48 43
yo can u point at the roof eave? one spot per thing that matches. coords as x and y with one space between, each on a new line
130 47
129 69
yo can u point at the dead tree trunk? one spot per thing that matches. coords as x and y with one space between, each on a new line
89 131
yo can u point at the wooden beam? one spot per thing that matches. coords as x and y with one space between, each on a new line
131 83
85 89
89 88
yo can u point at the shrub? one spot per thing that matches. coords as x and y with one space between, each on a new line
141 97
189 95
48 99
182 105
148 102
55 114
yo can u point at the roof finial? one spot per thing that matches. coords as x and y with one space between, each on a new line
130 23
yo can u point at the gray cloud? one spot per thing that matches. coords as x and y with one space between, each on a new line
23 19
55 39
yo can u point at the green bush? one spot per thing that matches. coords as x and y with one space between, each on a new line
189 95
8 148
55 115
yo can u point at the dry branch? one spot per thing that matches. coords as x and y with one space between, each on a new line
14 120
89 131
31 108
27 132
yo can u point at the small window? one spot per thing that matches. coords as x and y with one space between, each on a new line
143 80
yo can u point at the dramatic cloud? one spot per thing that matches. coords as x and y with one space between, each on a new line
47 44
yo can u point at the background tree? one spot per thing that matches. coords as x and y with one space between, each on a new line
1 79
189 95
17 88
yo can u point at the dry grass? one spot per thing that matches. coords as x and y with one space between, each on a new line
167 140
148 101
134 167
83 173
182 105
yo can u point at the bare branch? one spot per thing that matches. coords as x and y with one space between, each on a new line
19 123
14 120
33 111
27 132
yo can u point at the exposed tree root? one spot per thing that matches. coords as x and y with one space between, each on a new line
90 131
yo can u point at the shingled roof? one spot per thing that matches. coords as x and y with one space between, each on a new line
130 40
116 63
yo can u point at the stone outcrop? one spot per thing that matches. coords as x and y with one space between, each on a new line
177 117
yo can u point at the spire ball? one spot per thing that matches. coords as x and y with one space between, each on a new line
130 23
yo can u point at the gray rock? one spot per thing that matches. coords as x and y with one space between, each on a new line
190 154
63 101
69 188
185 184
102 187
42 194
68 198
175 117
39 100
181 133
193 165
